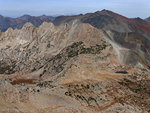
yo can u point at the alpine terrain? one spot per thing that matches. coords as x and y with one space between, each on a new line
93 63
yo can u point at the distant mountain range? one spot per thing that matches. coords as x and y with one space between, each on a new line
6 22
99 16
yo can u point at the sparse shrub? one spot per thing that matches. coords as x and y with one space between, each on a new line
68 93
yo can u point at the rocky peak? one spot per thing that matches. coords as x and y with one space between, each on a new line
27 25
47 25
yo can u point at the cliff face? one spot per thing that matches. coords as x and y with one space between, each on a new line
77 66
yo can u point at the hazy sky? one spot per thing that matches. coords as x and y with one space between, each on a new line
129 8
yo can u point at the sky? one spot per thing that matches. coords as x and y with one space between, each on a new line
129 8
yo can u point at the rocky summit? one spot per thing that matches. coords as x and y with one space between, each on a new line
93 63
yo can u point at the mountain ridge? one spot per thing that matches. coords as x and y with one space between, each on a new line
37 20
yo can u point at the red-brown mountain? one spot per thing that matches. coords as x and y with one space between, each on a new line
109 20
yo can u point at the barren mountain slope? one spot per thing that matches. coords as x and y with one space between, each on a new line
131 34
73 67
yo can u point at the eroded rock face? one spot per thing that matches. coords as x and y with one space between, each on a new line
73 67
133 48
